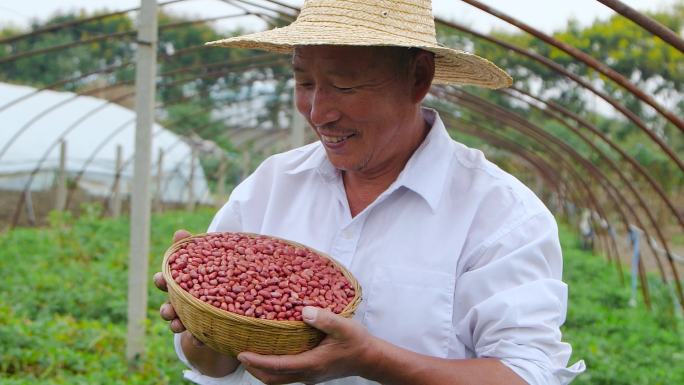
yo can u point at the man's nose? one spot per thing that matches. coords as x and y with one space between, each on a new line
324 109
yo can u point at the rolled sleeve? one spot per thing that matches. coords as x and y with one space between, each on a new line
511 303
193 375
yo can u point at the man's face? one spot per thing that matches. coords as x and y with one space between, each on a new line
356 100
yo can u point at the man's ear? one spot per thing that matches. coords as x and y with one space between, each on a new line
422 71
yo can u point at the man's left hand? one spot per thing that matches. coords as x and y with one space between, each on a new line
345 351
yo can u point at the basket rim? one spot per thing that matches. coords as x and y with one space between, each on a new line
221 314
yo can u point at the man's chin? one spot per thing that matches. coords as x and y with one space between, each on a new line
342 164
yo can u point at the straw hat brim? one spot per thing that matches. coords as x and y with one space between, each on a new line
451 66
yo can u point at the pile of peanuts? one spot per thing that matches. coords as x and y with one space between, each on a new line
258 276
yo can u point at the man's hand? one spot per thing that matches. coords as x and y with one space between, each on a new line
167 311
345 351
206 360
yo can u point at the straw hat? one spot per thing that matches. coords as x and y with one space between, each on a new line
375 23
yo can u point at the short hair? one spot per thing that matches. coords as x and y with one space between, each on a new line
402 57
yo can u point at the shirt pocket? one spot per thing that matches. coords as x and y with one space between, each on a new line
411 308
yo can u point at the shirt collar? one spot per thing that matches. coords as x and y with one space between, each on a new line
425 173
318 161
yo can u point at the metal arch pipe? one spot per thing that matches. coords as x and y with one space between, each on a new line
246 12
595 175
524 124
17 212
117 84
160 57
116 131
99 147
278 11
593 202
636 165
91 157
20 131
79 121
558 68
106 70
645 22
43 113
543 168
615 168
284 5
629 185
37 168
482 132
173 145
498 114
587 59
72 23
166 150
263 16
63 82
97 38
175 171
617 202
263 142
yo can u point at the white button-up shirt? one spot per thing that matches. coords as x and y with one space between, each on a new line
456 259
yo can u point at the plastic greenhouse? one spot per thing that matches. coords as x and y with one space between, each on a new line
33 123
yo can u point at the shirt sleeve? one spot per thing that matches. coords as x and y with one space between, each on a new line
511 302
193 375
227 218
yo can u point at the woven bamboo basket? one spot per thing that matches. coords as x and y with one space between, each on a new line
231 333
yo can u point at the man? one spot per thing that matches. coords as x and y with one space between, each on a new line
460 263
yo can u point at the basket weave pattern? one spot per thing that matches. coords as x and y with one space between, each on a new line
231 333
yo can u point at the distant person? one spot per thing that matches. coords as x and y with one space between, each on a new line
460 263
586 230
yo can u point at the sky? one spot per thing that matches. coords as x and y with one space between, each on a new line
547 15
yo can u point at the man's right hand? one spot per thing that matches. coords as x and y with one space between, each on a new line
167 312
206 360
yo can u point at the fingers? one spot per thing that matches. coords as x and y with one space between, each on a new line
180 234
271 369
159 281
325 320
286 364
167 312
176 326
273 379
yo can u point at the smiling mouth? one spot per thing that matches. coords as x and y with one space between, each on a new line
335 139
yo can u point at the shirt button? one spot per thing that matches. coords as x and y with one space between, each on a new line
347 234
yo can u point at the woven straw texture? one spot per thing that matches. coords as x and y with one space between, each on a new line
232 333
375 23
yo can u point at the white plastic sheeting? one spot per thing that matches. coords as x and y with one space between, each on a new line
31 131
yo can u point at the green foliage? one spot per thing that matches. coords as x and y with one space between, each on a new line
44 69
63 302
196 82
651 64
63 310
619 343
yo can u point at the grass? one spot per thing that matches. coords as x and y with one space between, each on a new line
63 310
620 344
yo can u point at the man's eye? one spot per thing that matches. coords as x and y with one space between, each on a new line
304 85
344 89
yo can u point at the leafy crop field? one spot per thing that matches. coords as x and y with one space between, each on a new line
63 310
